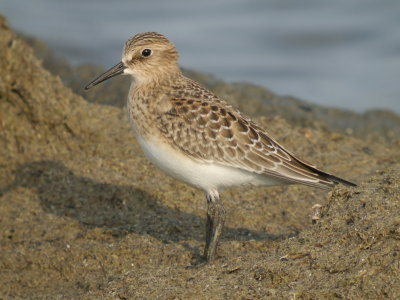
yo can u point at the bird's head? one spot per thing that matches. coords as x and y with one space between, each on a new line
147 57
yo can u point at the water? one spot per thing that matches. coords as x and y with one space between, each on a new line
342 53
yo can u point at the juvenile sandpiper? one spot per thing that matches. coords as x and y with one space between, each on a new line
198 138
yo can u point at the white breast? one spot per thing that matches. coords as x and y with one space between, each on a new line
206 176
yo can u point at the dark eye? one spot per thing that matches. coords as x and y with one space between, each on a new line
146 52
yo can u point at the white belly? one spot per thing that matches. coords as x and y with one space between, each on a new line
207 176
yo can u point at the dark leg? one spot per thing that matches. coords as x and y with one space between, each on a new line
215 223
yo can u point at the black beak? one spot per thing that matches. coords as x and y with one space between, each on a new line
114 71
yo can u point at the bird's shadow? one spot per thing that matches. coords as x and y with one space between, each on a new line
121 209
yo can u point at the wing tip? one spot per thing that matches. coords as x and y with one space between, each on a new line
327 180
338 180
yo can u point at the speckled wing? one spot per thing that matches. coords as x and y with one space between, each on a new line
208 129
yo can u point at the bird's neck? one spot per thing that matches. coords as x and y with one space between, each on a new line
158 76
146 86
148 99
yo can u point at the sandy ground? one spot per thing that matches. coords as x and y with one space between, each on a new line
83 214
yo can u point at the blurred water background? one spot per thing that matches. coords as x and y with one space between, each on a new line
342 53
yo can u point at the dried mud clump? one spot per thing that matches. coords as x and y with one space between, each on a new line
83 215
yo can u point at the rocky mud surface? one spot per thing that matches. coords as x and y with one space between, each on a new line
84 215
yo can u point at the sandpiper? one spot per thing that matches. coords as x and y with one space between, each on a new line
198 138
